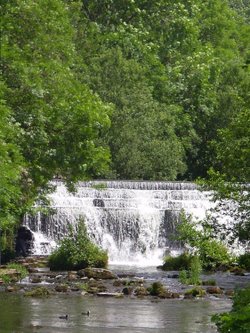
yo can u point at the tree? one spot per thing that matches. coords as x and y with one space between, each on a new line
60 118
11 164
230 176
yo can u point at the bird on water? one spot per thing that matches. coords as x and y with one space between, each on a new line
64 317
86 313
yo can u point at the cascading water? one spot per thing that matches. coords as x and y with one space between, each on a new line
134 221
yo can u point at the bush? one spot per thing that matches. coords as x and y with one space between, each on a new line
192 276
211 251
196 292
77 252
238 319
183 261
20 269
244 261
213 254
156 289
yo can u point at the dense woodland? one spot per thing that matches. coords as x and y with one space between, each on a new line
121 89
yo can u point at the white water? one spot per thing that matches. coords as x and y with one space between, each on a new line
133 221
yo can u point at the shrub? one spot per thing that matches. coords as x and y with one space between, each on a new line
156 289
20 269
183 261
209 283
211 251
9 277
238 319
244 261
213 254
197 291
192 276
76 251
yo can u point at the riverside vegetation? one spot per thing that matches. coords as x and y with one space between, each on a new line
125 90
76 251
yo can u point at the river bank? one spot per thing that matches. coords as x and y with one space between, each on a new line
118 281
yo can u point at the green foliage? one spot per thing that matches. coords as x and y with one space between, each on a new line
196 292
192 276
244 261
231 181
11 164
238 319
156 289
212 252
76 251
7 276
209 283
183 261
20 269
60 119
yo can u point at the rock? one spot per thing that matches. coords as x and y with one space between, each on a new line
238 271
61 288
38 292
127 290
176 295
72 276
214 290
36 279
118 283
93 290
32 270
1 281
10 289
105 294
12 274
95 287
97 273
229 292
173 276
141 291
84 278
165 294
74 288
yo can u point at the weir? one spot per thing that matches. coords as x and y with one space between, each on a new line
135 221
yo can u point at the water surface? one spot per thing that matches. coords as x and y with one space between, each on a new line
19 314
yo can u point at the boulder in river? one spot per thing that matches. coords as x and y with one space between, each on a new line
97 273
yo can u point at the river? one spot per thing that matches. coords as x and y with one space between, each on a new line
19 314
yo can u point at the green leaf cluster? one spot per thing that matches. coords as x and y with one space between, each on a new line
211 251
76 251
238 319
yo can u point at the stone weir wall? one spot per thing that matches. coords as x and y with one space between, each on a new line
133 220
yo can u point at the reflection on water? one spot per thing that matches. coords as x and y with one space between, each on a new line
20 314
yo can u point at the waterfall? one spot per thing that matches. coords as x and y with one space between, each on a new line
134 221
